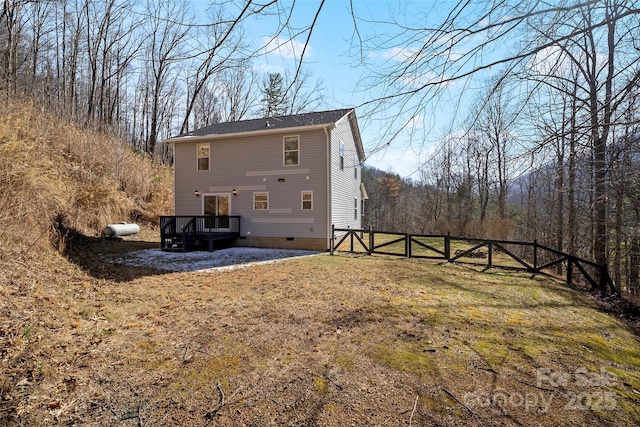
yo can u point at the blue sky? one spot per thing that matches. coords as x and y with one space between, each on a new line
331 58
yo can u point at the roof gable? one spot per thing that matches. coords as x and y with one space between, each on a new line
271 123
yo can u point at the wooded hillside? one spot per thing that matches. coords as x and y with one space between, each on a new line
57 178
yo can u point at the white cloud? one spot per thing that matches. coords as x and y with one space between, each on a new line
266 68
416 122
419 71
285 48
402 158
548 61
400 54
400 161
452 55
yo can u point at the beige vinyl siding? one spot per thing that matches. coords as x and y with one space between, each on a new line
252 165
345 187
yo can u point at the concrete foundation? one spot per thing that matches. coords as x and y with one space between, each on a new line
282 243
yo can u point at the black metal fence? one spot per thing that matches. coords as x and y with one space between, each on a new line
506 254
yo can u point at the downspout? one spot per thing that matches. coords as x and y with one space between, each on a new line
175 181
329 199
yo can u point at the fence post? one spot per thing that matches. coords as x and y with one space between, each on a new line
407 245
569 271
447 246
535 256
370 240
351 239
490 255
333 236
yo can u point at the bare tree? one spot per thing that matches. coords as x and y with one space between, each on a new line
69 55
303 95
595 35
596 41
220 51
439 173
237 90
168 29
493 125
111 47
13 19
41 26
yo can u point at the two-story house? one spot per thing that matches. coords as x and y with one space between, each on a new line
278 182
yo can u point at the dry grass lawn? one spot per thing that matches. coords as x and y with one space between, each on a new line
326 340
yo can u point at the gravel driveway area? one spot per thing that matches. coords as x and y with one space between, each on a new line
219 260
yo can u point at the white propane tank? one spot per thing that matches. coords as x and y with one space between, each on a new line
122 229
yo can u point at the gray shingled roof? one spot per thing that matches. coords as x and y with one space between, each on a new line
282 122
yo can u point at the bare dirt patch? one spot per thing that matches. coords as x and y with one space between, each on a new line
323 340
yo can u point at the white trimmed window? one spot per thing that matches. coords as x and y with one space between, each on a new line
356 162
341 155
291 151
355 208
203 157
307 200
260 201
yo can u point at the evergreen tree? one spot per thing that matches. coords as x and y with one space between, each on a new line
274 99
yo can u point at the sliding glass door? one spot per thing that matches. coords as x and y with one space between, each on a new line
217 209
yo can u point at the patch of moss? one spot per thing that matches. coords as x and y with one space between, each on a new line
631 380
345 361
516 319
407 357
212 370
531 347
494 350
433 404
597 348
430 316
475 312
322 386
87 312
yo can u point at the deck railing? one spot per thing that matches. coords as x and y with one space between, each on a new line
188 228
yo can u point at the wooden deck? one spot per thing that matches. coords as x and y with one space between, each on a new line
187 233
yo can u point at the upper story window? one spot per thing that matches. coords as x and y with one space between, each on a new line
260 201
291 151
341 155
356 163
203 157
307 200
